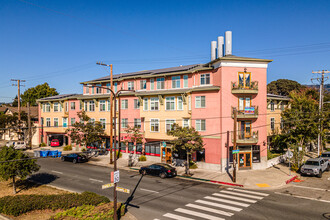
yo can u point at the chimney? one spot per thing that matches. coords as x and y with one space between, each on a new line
220 46
228 39
213 50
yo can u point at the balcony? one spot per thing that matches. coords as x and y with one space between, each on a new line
248 113
243 137
237 88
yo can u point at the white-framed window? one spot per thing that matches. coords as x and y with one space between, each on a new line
55 122
72 121
102 105
109 87
93 90
160 83
137 123
185 81
200 125
154 125
145 104
170 103
143 84
136 104
176 82
91 106
80 105
47 122
103 122
65 122
185 123
43 107
179 103
130 85
115 87
67 106
86 89
47 107
168 124
205 79
152 84
272 124
86 106
200 102
92 120
124 104
72 105
124 122
282 124
244 102
109 106
154 104
272 106
98 90
189 103
56 107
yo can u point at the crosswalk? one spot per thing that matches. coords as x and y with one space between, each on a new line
217 206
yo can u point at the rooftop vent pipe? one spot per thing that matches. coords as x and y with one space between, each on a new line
213 50
228 35
220 46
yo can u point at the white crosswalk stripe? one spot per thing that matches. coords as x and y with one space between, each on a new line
241 194
219 205
234 197
177 217
198 214
227 201
209 209
247 191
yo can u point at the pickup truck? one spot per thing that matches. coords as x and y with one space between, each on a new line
315 166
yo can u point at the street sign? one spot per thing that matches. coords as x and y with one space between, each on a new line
105 186
235 151
120 189
289 154
115 176
164 144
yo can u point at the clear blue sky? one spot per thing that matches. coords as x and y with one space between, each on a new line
60 41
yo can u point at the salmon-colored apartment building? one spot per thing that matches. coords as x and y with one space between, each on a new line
200 95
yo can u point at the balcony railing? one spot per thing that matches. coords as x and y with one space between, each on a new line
248 112
237 88
244 137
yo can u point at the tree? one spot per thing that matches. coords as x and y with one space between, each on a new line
15 102
38 92
187 139
133 135
12 169
86 131
283 87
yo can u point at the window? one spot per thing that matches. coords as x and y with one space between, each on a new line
200 125
205 79
185 81
43 107
145 104
245 129
152 84
180 103
92 120
109 106
176 82
115 85
98 90
91 106
200 102
124 122
87 90
143 84
65 122
185 123
244 102
160 83
272 106
66 106
124 104
109 87
189 103
272 124
154 125
137 122
154 104
80 105
72 121
244 79
102 106
256 154
47 122
170 103
86 106
130 85
103 122
136 104
93 90
73 105
152 149
168 124
117 106
282 124
47 107
56 108
55 122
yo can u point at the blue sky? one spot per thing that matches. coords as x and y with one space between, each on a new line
59 41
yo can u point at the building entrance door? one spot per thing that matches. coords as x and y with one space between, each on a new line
244 160
166 155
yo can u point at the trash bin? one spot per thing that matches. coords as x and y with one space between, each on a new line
44 153
37 153
59 154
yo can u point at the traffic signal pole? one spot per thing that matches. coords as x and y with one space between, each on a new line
235 146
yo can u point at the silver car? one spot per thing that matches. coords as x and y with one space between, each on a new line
326 156
315 166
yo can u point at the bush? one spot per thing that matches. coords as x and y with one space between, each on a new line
142 158
17 205
271 155
43 144
83 149
192 165
119 154
67 148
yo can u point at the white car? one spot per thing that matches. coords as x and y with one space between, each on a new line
17 144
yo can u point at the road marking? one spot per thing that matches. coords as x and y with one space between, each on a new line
303 197
198 214
306 187
241 194
54 171
209 209
236 198
247 191
148 190
219 205
227 201
101 181
178 217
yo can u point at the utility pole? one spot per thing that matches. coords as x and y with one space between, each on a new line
235 146
19 81
321 81
29 126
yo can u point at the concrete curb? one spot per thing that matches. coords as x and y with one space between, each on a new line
2 217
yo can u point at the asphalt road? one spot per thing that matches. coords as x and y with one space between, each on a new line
176 198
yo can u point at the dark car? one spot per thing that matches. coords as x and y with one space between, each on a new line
74 158
159 169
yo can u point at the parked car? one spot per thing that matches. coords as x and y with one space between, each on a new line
74 158
326 156
315 166
19 145
10 143
159 169
55 143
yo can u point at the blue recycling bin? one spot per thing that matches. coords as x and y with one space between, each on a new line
53 153
59 154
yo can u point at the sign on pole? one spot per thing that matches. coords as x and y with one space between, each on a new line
115 176
120 189
164 143
235 151
109 185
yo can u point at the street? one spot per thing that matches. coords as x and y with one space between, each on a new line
176 198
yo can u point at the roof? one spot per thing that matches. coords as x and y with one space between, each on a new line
57 97
278 97
33 110
3 108
236 58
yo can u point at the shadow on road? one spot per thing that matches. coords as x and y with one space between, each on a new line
130 198
42 178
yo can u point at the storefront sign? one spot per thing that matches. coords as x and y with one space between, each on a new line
235 151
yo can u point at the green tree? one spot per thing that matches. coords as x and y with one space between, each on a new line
22 167
283 87
85 131
187 139
38 92
15 102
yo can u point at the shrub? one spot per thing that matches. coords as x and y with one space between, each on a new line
67 148
43 144
83 149
142 158
119 155
192 165
17 205
271 155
